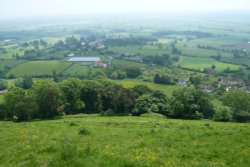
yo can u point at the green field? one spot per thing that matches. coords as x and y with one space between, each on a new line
193 51
167 89
245 61
147 50
39 68
201 63
81 70
124 141
76 68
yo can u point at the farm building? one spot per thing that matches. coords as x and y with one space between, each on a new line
89 61
232 81
182 82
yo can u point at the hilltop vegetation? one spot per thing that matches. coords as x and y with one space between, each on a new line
47 99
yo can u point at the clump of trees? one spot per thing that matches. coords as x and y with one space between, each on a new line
44 100
47 99
3 84
162 60
163 79
151 101
190 103
25 82
239 102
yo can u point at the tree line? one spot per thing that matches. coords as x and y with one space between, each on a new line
47 99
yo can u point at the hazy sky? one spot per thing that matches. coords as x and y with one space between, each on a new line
23 8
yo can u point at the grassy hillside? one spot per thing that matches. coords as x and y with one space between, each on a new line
124 141
38 68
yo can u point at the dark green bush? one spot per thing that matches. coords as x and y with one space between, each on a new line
83 131
223 114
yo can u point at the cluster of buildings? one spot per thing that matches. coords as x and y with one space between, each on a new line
7 42
229 83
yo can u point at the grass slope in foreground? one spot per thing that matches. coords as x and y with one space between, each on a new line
124 141
39 68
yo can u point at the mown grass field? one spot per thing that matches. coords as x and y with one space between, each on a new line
201 63
39 68
167 89
124 141
147 50
202 52
81 70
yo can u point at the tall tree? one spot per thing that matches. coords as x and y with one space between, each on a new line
3 84
71 89
190 103
48 97
239 101
91 96
11 98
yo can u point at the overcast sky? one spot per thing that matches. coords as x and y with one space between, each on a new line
31 8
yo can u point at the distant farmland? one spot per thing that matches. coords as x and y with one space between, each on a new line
146 50
39 68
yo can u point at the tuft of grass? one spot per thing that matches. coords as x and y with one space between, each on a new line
83 131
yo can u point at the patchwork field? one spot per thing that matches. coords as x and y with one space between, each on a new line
82 140
10 63
200 63
202 52
39 68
